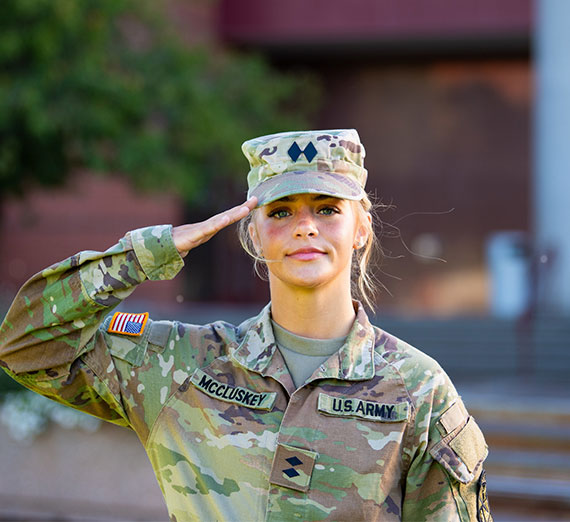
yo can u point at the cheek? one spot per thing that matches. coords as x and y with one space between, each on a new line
344 233
269 234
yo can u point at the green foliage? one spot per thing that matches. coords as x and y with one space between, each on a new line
8 384
104 84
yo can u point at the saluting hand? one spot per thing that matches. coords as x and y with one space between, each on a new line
187 237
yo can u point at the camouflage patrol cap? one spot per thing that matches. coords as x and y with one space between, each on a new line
319 162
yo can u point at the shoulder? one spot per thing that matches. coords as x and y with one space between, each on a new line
407 359
130 336
422 375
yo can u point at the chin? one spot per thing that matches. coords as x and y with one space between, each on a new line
307 284
304 280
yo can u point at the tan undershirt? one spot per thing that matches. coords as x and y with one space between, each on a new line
304 355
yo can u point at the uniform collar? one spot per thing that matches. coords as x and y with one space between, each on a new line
258 346
354 361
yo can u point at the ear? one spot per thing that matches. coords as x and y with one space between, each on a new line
362 232
252 230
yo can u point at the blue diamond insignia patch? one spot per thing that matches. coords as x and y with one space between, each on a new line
295 151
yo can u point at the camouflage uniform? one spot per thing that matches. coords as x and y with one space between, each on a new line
378 432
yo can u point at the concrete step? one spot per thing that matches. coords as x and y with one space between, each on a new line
489 346
517 488
527 427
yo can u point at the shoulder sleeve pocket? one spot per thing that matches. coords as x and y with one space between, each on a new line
462 452
127 348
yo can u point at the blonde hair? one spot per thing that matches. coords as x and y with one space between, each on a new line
363 283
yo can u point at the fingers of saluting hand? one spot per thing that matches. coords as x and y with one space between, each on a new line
187 237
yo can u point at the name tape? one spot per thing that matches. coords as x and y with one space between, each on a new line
236 394
352 407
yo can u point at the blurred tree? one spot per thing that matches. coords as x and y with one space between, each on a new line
104 84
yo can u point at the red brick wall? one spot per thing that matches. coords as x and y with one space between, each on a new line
90 212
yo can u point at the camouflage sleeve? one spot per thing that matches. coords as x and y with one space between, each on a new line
445 478
52 325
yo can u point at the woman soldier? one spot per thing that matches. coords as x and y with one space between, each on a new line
305 412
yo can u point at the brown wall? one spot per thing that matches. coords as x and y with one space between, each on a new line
440 135
89 213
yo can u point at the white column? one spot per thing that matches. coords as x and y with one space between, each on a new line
552 148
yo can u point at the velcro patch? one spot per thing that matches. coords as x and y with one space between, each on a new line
470 445
128 324
292 467
454 416
352 407
236 394
462 454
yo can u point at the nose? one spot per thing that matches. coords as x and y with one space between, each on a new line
305 225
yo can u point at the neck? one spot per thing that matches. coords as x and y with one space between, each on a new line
319 313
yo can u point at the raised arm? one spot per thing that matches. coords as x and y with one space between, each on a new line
52 327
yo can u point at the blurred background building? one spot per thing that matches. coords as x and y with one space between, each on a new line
441 94
465 132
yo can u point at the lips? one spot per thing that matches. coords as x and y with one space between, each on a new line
306 254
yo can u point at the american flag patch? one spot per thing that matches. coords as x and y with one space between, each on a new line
128 324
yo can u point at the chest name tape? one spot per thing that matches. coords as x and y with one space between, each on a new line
236 394
370 410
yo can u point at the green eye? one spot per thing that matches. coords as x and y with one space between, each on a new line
328 211
279 214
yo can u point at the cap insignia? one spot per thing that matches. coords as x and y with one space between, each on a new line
295 151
